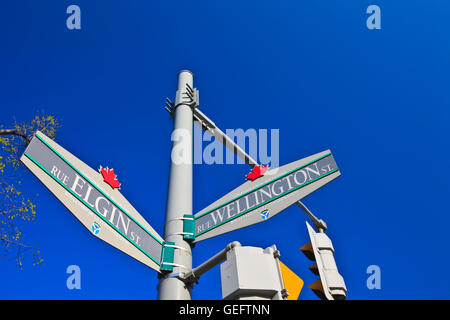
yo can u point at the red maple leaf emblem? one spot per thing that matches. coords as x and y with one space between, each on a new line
109 177
257 171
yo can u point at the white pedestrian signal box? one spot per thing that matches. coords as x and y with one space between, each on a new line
256 273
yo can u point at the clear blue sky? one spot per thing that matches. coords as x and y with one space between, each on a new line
379 99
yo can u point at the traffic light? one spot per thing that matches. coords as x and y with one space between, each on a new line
331 285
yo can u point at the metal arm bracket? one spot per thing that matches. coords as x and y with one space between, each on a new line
319 224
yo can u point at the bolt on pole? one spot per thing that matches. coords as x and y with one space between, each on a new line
179 196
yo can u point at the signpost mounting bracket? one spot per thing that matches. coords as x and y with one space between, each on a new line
170 107
167 256
188 227
190 97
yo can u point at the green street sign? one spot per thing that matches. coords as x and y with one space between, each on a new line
98 206
258 201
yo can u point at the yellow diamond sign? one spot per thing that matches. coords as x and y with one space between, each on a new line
292 282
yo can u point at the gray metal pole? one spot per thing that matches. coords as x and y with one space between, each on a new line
179 197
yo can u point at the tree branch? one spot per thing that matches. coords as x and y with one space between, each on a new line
15 243
4 132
